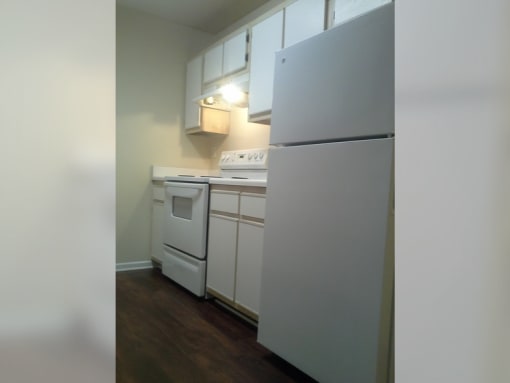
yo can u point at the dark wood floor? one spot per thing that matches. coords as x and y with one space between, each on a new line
165 334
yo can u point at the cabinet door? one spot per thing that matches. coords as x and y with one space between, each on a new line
213 63
266 40
157 230
222 255
249 264
234 54
193 90
347 9
303 19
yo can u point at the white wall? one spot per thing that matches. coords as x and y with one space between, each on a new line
151 69
452 191
57 211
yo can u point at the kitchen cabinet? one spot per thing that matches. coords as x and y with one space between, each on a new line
234 54
193 90
222 242
236 235
157 221
303 19
226 58
222 249
347 9
199 119
298 21
213 63
249 264
266 40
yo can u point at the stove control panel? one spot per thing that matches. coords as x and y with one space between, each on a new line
244 159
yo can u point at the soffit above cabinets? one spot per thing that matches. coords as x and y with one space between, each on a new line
211 16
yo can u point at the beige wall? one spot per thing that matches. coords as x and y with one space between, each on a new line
151 71
243 135
151 67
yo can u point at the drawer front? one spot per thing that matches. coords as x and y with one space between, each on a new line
158 193
185 270
223 200
253 205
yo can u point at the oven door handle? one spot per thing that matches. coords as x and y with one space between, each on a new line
183 191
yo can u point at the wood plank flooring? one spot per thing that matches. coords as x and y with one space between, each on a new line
165 334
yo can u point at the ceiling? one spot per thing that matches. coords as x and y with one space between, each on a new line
211 16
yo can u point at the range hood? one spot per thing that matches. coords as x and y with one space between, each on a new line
225 94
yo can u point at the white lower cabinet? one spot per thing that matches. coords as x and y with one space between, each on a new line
249 264
222 248
157 222
236 235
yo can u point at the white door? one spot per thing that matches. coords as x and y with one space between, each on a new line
347 9
303 19
157 230
221 258
193 90
324 256
266 40
249 264
185 217
213 63
234 54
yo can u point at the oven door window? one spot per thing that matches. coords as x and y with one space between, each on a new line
182 207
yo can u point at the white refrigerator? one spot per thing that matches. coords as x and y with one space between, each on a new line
327 273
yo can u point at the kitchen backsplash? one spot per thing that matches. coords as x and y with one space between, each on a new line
243 135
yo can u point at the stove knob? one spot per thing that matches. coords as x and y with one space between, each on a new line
250 156
261 155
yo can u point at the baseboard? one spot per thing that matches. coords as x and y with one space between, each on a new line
139 265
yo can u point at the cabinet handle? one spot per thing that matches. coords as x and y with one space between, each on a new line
228 192
253 223
227 218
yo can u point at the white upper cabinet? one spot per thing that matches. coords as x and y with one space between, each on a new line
234 54
267 38
225 59
213 63
193 90
303 19
347 9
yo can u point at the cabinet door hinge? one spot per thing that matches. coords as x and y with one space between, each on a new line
246 56
247 36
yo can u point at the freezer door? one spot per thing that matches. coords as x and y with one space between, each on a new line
338 84
324 256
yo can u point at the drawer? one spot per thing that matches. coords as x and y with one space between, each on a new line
158 193
253 205
225 200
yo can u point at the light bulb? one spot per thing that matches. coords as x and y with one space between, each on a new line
231 93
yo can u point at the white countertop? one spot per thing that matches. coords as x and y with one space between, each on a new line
160 172
238 182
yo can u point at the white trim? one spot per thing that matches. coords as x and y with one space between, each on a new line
138 265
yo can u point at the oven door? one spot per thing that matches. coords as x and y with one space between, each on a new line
185 223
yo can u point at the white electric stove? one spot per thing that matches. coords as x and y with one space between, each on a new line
186 214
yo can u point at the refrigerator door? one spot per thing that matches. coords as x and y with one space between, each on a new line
338 84
324 257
